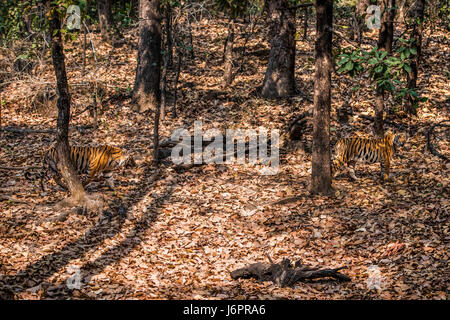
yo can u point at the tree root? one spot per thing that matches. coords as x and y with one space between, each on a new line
429 133
12 199
88 202
284 274
25 168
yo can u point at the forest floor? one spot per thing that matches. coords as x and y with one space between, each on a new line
177 234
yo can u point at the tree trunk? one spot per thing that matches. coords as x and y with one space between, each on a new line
321 154
169 37
385 39
228 68
164 85
280 79
64 163
305 23
148 71
386 35
417 12
378 123
362 6
105 18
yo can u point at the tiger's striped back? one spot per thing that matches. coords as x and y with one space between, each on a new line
350 150
95 159
91 160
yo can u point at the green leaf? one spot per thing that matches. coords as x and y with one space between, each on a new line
349 65
407 52
407 67
343 60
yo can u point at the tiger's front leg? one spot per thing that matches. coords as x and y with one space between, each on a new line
351 170
385 170
109 180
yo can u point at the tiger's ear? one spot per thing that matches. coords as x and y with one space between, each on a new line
400 138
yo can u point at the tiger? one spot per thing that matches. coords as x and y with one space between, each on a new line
349 150
90 160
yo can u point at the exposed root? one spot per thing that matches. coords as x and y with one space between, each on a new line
88 202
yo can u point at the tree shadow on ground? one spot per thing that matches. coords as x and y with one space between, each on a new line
37 272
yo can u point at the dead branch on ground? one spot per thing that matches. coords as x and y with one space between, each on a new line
284 274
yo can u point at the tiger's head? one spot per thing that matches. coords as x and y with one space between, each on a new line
118 156
399 139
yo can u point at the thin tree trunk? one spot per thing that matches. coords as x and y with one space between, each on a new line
386 35
64 163
378 123
84 49
228 68
169 37
321 154
164 85
177 75
225 43
359 18
305 23
148 70
385 40
279 81
156 135
191 39
105 18
361 7
417 13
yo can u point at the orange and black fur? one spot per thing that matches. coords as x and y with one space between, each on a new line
90 160
350 150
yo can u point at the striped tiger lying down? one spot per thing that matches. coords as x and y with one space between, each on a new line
90 160
349 150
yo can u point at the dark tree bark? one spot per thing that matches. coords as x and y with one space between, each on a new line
360 15
417 12
228 68
378 123
386 35
279 80
169 37
156 134
164 85
148 71
305 22
285 274
385 39
362 6
105 18
321 154
64 163
191 39
175 85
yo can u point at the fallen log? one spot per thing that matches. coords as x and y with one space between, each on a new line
12 199
20 168
284 274
26 130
